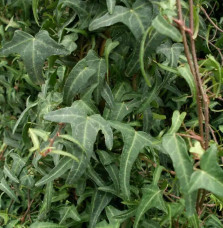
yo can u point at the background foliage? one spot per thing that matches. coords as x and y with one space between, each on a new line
99 125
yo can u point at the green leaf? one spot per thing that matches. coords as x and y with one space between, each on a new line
109 46
91 67
217 72
210 177
187 75
177 120
34 51
172 53
83 9
99 65
152 197
111 212
176 147
150 96
110 167
71 139
63 165
122 109
48 195
23 114
99 201
84 129
4 215
134 141
64 153
111 5
164 27
141 56
68 212
108 96
69 42
46 225
18 163
10 174
77 80
137 19
94 176
6 188
35 4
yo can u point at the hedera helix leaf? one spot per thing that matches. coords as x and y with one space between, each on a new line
99 201
187 75
152 197
78 79
134 141
217 72
111 212
18 163
177 120
6 188
108 96
153 41
210 176
64 164
110 167
137 19
46 225
84 129
104 224
176 147
84 10
172 52
34 51
10 174
111 5
35 8
99 65
4 216
109 46
122 109
68 212
23 114
26 179
94 176
165 28
45 207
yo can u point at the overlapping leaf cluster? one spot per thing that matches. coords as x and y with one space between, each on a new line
98 116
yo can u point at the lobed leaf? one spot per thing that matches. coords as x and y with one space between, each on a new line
34 51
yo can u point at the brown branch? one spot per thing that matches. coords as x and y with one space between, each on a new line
213 135
28 208
196 66
187 53
212 22
196 137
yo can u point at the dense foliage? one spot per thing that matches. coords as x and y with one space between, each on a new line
111 113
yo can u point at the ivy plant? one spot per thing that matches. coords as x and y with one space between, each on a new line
111 113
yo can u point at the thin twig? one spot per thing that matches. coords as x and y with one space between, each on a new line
196 66
218 49
213 135
52 140
187 53
212 22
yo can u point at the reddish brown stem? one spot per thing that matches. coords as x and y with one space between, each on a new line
212 22
187 53
198 78
52 140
